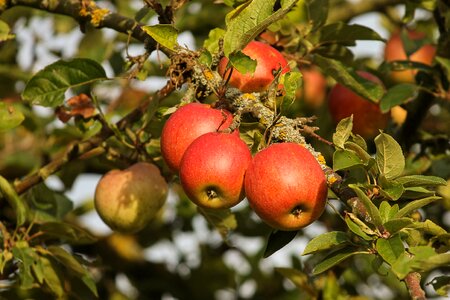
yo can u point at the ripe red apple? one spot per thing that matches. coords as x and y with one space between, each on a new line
367 116
127 200
286 186
185 125
395 50
268 61
313 91
212 170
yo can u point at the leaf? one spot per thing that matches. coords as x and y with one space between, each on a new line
277 240
425 264
361 152
5 32
222 219
405 262
372 210
390 190
67 232
47 87
445 64
343 131
414 205
316 12
356 228
248 20
441 285
243 63
395 225
417 192
389 156
342 74
390 249
10 116
335 258
212 42
52 278
326 241
428 227
164 34
345 159
420 180
398 94
384 209
291 82
299 278
67 260
19 206
27 257
344 33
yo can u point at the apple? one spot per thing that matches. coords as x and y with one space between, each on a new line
268 61
367 116
126 200
286 186
313 91
212 170
185 125
395 50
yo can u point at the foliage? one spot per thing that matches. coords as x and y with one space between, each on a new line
387 221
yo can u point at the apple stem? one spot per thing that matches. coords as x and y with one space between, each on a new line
211 193
297 211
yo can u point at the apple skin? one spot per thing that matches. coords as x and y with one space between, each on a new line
313 91
283 179
268 60
367 116
394 50
212 170
126 200
185 125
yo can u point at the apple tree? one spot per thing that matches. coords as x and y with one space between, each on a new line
264 131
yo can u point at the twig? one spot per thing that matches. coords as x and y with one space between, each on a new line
412 281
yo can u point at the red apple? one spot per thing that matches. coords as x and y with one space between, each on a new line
212 170
367 116
268 60
185 125
127 200
395 50
286 186
313 91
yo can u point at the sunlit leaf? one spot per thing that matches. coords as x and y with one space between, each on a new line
47 87
335 258
344 159
5 32
326 241
420 180
390 249
164 34
357 228
243 63
397 95
372 210
389 156
395 225
414 205
343 131
19 206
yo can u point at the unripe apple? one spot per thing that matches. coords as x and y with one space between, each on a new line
313 91
212 170
268 61
126 200
286 186
367 116
185 125
395 50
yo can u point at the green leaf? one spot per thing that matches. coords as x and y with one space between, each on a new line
316 12
164 34
425 264
390 190
326 241
361 152
414 205
212 42
372 210
445 64
89 281
335 258
67 232
395 225
248 20
52 277
299 278
441 285
390 249
277 240
420 180
291 82
10 116
67 260
389 156
47 87
398 94
27 257
428 227
417 192
355 225
406 261
345 159
342 74
336 33
343 131
384 209
222 219
5 32
243 63
19 206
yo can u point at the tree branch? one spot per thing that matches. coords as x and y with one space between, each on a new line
412 281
